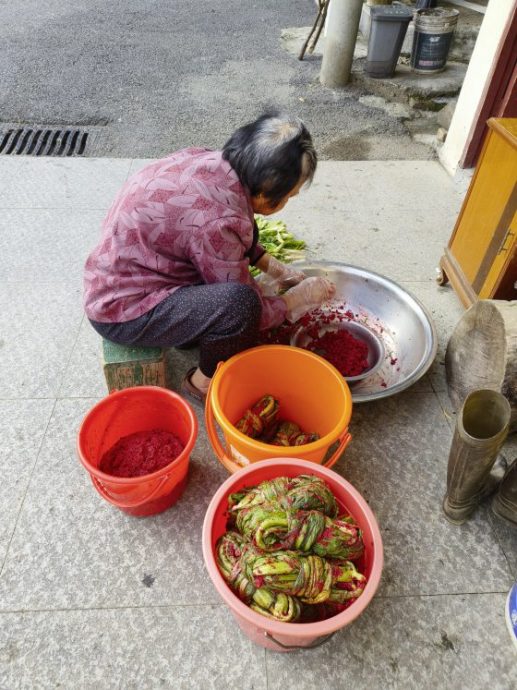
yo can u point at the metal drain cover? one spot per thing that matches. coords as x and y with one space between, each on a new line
35 140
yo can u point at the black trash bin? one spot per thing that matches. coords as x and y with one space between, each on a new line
388 28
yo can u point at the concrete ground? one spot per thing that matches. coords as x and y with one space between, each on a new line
92 598
157 75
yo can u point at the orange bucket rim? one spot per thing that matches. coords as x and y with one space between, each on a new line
152 475
321 443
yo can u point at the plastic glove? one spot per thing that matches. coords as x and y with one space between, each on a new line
287 276
307 295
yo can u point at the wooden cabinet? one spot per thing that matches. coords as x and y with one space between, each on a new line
481 258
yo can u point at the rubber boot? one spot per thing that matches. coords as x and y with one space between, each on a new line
481 429
504 503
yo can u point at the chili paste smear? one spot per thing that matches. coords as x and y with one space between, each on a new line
141 453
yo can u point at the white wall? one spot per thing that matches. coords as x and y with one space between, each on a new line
476 80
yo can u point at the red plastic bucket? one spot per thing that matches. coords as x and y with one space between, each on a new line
125 412
276 635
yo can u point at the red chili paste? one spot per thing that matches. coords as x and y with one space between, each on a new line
311 322
349 360
141 453
348 354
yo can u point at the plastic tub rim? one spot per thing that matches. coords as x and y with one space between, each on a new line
301 630
129 481
320 444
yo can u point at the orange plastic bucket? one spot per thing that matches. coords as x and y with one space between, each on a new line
311 392
126 412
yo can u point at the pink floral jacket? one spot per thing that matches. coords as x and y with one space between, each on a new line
183 220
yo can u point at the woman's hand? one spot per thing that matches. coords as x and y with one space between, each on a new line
285 275
307 295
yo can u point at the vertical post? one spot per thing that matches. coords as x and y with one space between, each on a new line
341 34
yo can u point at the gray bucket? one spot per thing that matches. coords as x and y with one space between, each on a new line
389 26
432 39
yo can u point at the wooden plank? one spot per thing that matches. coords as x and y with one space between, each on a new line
453 272
489 194
120 376
125 367
468 5
506 127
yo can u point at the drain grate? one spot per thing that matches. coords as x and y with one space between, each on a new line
32 140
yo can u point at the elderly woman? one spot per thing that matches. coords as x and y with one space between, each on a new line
172 266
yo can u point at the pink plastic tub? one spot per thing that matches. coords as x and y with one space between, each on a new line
283 637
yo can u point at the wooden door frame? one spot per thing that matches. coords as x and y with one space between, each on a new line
499 97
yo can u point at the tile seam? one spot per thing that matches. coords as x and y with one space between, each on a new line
29 479
5 612
72 349
136 607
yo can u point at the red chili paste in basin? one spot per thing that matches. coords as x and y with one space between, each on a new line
348 354
141 453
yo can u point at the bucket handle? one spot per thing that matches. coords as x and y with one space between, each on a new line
220 451
343 443
127 504
210 425
316 643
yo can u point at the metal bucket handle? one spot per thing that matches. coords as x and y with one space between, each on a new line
328 461
104 492
317 643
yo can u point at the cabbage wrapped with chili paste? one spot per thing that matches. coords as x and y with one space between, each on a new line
270 528
232 552
261 421
304 492
259 417
311 578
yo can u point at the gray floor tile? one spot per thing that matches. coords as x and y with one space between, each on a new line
84 376
403 644
184 647
363 241
377 226
448 410
405 184
507 536
39 323
72 549
398 461
59 243
396 242
89 183
445 310
139 163
22 425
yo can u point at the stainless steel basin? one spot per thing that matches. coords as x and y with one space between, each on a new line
375 345
399 319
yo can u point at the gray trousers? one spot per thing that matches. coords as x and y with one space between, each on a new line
222 319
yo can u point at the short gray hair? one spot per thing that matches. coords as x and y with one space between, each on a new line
271 155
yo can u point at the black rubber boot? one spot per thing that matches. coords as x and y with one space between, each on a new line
481 429
504 503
